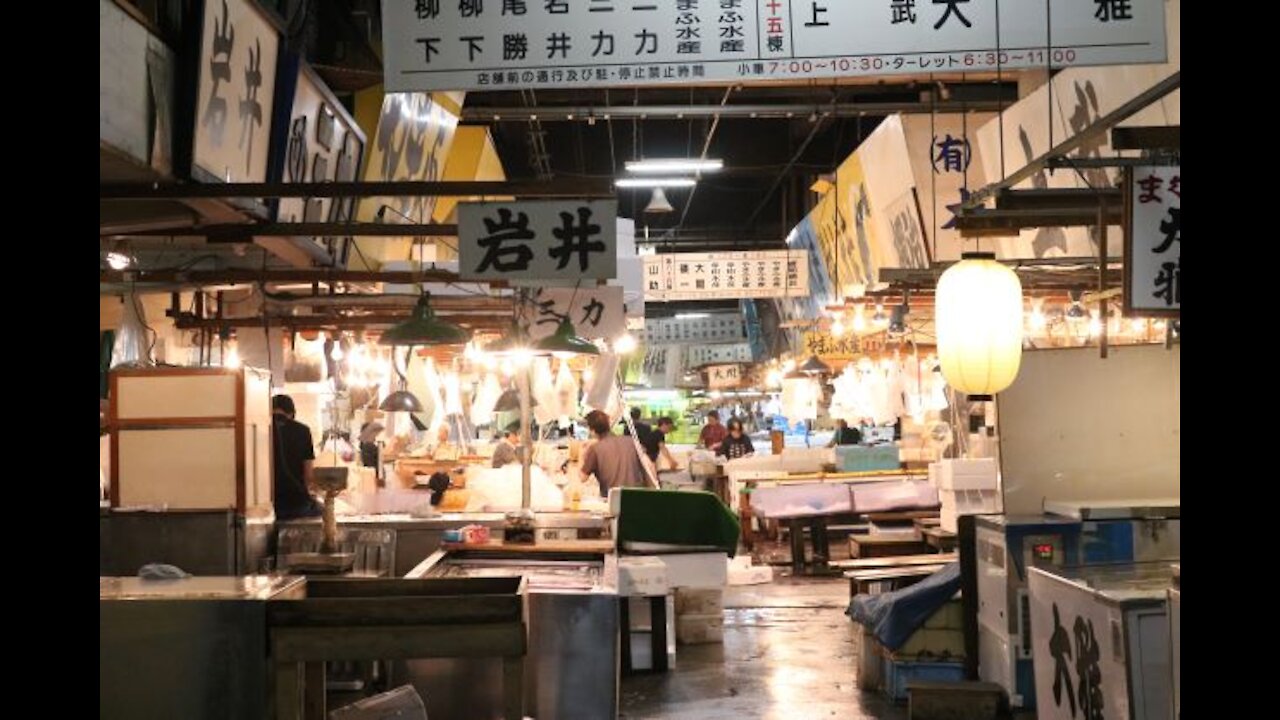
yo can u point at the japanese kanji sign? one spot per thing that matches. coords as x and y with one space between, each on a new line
724 376
710 328
596 313
324 145
1153 242
547 240
234 103
495 44
729 275
700 355
829 347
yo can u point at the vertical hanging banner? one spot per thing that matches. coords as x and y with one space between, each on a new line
239 47
555 242
1153 242
597 313
946 163
473 44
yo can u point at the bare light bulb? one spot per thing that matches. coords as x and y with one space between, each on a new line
837 328
879 317
625 344
232 359
1095 324
859 320
1036 320
118 261
336 354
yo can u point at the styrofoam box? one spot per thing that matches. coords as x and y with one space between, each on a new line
696 570
965 474
754 575
699 601
402 703
966 502
892 495
700 629
642 575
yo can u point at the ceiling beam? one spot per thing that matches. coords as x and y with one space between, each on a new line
573 187
1071 144
1168 137
1058 199
813 111
495 323
985 222
234 276
242 232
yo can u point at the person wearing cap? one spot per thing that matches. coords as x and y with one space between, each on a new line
293 462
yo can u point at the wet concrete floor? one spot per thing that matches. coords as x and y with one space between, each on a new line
789 652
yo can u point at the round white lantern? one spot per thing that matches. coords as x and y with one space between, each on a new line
978 312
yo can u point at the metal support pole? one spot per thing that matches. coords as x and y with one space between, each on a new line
526 438
1102 275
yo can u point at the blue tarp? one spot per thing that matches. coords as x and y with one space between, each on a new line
892 617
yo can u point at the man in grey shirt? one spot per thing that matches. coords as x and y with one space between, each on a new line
613 459
506 452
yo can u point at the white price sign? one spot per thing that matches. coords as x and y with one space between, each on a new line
547 240
498 44
730 275
1153 256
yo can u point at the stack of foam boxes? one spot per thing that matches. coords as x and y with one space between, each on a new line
699 615
967 486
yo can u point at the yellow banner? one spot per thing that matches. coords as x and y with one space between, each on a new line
848 241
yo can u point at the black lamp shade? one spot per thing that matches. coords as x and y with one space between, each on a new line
565 340
424 329
401 401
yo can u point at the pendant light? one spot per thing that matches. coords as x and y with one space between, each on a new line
424 329
979 325
815 366
565 340
401 401
658 203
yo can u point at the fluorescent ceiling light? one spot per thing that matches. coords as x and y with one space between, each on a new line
675 165
692 316
659 182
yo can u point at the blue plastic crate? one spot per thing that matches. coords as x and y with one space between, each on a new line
860 458
897 673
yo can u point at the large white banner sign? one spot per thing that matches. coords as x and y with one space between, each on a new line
492 44
551 241
727 275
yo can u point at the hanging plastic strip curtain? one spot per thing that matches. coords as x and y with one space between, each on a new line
133 342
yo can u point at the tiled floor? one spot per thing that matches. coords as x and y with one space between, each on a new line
789 652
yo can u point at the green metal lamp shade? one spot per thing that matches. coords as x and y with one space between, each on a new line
814 366
565 340
508 344
424 329
401 401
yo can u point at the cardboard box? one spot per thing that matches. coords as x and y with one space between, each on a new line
700 629
691 601
642 575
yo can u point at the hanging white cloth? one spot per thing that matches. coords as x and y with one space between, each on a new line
486 399
566 392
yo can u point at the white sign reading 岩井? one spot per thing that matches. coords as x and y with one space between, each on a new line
553 241
596 313
496 44
724 376
729 275
237 86
1153 261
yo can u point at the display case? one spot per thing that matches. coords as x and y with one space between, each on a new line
1007 546
191 439
1101 641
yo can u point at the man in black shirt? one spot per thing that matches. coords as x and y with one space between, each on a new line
293 460
845 435
643 430
656 442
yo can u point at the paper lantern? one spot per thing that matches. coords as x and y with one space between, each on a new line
978 310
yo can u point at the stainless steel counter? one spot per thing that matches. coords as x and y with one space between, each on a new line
417 538
194 648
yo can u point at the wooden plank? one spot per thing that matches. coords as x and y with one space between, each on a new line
868 546
390 611
397 642
902 516
898 561
313 690
558 546
893 573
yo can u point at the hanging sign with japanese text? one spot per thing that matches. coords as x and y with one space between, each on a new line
724 376
497 44
699 355
1153 240
728 275
702 328
828 347
545 240
236 89
596 313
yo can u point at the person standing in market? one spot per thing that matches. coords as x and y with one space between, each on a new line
845 435
656 444
713 433
507 450
736 444
294 461
612 459
643 430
